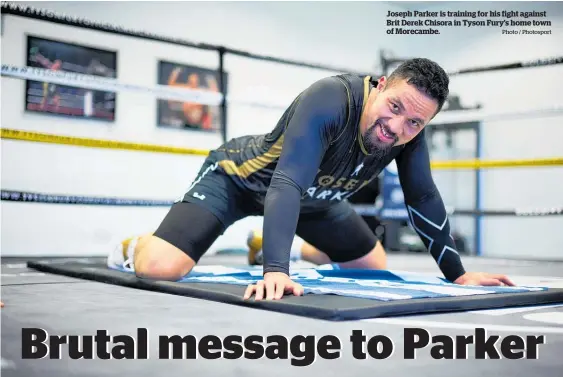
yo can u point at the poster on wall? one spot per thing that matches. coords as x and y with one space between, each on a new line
49 98
188 115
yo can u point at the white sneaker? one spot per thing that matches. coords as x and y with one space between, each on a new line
121 257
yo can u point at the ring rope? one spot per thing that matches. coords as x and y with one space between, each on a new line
12 134
488 164
63 19
525 64
366 210
36 197
38 137
371 210
459 116
111 84
541 62
214 99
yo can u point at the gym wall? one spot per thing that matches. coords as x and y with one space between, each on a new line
350 36
31 229
516 136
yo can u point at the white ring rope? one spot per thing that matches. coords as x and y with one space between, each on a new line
214 98
110 84
458 116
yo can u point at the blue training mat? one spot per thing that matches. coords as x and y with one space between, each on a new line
381 285
331 294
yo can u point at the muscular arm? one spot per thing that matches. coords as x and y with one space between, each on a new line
426 208
173 78
318 112
43 60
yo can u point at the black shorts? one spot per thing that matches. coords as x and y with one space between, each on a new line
214 202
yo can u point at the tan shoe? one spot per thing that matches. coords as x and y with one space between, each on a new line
254 242
121 257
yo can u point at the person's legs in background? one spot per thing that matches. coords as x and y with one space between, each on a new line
302 250
338 235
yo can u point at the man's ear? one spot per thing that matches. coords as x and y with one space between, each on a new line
381 83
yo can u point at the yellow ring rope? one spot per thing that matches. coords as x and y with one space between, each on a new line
11 134
486 164
96 143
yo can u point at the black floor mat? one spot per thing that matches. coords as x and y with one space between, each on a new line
329 307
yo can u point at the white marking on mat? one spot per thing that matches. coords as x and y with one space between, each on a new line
217 269
537 281
8 275
549 317
31 274
465 326
508 311
16 265
348 292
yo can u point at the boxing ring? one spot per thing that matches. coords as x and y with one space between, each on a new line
73 303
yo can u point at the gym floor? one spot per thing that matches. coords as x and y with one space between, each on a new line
68 306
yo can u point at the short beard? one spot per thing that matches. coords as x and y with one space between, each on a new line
373 147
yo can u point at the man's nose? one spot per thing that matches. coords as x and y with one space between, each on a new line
396 125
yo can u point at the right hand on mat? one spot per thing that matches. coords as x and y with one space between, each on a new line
274 285
483 279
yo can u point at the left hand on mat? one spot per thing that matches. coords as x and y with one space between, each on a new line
483 278
274 285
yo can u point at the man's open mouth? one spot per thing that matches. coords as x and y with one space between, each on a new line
384 134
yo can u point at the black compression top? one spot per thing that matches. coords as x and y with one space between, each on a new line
315 157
